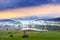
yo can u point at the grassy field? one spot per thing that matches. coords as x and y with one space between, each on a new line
17 35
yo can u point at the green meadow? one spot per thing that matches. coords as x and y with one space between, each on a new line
33 35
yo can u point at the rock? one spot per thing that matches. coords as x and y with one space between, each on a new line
11 35
25 36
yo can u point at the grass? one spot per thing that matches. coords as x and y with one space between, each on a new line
50 35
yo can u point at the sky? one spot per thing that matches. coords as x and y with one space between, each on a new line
23 8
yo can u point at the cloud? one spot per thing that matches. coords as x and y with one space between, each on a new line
44 10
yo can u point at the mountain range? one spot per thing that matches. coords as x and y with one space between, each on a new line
30 18
38 18
56 19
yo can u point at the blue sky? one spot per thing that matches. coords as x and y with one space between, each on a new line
10 4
